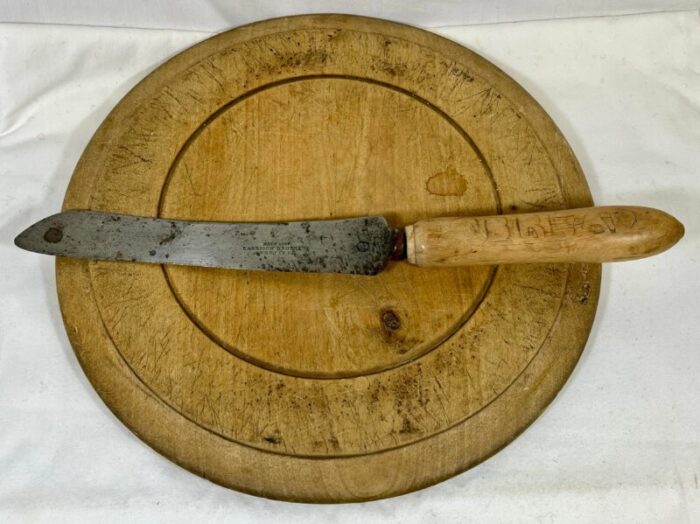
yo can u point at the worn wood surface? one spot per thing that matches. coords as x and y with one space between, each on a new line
590 234
327 387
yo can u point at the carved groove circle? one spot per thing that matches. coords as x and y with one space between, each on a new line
316 102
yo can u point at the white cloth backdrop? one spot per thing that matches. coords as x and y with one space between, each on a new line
621 443
217 15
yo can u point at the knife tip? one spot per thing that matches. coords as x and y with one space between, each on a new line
22 240
37 236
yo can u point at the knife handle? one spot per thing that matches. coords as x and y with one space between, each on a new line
593 234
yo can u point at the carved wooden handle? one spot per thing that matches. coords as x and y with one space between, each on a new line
593 234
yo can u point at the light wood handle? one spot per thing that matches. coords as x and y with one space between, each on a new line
593 234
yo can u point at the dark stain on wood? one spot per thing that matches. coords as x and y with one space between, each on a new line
447 183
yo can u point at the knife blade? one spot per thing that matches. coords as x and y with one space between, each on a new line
357 246
360 246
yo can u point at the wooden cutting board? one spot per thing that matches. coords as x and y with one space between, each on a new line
313 387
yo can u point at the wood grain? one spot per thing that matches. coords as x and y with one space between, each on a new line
327 388
594 234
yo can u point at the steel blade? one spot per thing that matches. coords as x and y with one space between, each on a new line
358 245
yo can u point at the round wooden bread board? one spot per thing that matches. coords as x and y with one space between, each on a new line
324 387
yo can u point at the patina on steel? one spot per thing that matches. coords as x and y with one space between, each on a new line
360 246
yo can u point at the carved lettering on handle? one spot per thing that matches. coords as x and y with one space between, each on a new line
575 235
